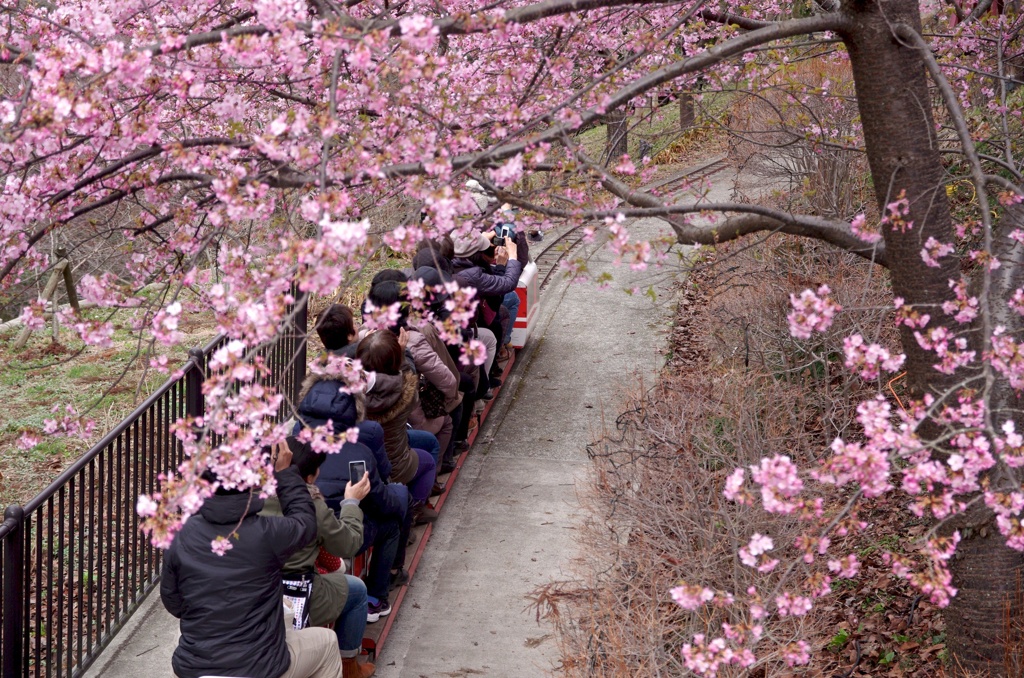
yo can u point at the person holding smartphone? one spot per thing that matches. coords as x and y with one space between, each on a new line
386 514
493 272
335 597
510 301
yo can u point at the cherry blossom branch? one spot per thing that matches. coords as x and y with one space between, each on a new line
530 13
979 9
728 18
209 38
144 154
754 218
716 54
988 158
1004 183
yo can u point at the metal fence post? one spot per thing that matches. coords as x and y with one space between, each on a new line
14 593
301 324
195 404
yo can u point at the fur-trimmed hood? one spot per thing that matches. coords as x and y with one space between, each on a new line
392 396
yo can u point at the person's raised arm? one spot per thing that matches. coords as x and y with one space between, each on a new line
298 525
512 249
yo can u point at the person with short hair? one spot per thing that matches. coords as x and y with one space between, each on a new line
229 606
335 597
430 365
336 328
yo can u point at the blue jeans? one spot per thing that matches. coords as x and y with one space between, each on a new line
511 302
427 441
383 534
352 621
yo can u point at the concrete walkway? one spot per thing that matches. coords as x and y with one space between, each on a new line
508 525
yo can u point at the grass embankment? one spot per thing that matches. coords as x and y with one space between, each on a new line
103 384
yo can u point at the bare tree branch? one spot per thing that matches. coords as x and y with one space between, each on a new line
752 219
734 19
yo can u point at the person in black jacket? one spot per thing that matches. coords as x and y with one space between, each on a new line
230 606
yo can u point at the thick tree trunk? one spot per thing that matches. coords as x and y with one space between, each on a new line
892 93
983 623
893 97
990 618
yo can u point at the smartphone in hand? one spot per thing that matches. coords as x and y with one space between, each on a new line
356 471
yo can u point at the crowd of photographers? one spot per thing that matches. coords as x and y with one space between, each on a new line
414 417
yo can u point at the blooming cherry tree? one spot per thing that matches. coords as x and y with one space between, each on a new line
234 149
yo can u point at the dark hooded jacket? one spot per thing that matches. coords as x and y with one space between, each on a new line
229 606
322 400
431 256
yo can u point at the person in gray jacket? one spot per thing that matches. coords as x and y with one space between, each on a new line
493 272
335 597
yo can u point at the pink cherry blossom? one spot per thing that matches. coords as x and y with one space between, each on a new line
812 312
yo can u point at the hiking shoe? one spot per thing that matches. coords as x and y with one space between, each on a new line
487 396
447 466
374 611
437 490
495 382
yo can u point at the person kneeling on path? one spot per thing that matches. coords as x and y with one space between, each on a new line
335 597
229 605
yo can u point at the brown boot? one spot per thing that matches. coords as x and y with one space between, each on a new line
351 668
422 514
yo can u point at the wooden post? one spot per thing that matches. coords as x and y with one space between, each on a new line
51 285
687 114
69 279
617 130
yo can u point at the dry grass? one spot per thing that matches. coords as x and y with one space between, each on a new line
738 388
809 139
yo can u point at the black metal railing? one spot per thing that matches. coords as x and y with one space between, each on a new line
74 562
